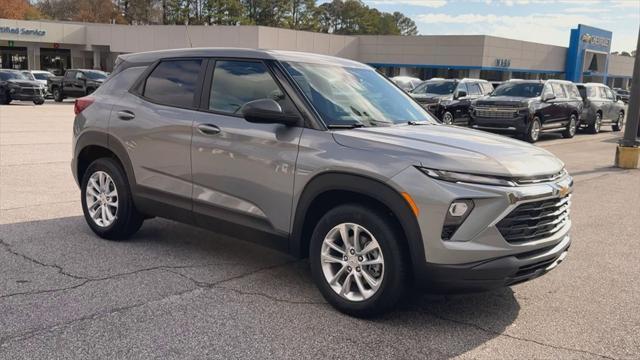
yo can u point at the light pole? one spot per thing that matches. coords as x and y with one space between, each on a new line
628 151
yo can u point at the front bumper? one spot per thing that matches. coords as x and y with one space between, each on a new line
478 256
26 94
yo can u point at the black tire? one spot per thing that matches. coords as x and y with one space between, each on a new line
5 98
90 91
531 136
57 94
38 101
597 124
447 118
620 123
395 269
127 219
572 127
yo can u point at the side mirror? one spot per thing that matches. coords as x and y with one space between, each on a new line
460 94
548 96
267 111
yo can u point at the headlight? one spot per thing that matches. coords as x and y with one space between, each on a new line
452 176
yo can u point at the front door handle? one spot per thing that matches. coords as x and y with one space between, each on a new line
208 129
126 115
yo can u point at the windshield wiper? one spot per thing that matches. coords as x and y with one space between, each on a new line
414 123
344 126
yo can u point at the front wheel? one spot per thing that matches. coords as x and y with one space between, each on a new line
570 131
357 260
106 201
533 131
5 99
447 118
597 124
38 101
619 125
57 95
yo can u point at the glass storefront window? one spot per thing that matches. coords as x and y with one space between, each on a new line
14 58
55 60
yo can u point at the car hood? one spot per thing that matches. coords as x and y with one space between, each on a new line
24 83
453 148
504 100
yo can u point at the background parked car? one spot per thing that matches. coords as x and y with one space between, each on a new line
529 107
449 100
622 94
14 85
406 83
75 83
41 77
601 107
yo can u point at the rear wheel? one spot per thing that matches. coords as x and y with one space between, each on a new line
533 131
357 260
597 124
570 131
619 125
57 94
5 98
38 101
106 201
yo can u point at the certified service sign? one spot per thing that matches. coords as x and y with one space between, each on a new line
22 31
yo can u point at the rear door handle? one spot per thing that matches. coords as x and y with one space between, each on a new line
208 129
126 115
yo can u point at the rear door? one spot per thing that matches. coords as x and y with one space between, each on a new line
611 112
154 126
560 108
68 82
243 172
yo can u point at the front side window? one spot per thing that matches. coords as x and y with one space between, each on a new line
558 90
474 89
354 96
610 95
592 92
96 74
571 90
41 76
236 83
79 76
527 90
173 82
436 87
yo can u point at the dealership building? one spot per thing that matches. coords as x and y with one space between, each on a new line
55 46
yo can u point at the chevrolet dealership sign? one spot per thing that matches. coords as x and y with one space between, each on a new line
595 40
22 31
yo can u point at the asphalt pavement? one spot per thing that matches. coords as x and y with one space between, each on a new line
178 292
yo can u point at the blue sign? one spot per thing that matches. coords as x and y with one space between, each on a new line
583 39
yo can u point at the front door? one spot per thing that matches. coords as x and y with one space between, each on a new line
243 172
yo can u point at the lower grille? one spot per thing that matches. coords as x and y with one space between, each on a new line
30 91
535 220
496 112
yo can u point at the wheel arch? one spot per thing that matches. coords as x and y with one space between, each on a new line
331 189
93 145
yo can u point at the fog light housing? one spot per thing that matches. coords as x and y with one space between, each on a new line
457 213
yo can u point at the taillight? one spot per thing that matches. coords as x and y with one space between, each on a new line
82 103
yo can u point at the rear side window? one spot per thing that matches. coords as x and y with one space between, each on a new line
174 82
572 91
236 83
121 82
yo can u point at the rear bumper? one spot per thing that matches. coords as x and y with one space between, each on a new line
494 273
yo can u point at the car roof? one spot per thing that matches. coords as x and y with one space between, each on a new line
279 55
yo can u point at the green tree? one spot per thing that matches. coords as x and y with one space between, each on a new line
405 25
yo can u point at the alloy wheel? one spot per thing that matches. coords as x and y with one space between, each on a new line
572 125
620 120
102 199
352 262
535 130
447 118
598 123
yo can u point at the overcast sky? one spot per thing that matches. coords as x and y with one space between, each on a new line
543 21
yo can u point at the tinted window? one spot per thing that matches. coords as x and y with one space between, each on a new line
28 75
70 75
235 83
463 87
609 93
120 83
592 92
41 76
571 90
518 89
95 75
173 82
474 89
601 92
558 91
436 87
7 75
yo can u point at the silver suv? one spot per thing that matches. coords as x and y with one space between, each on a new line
321 157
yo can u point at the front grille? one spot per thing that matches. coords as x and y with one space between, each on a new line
502 112
535 220
30 91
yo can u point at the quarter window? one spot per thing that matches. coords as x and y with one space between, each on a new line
173 82
236 83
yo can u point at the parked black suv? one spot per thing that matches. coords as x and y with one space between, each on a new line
449 100
75 83
528 107
601 107
14 85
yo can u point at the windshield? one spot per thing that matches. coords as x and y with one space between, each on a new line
346 96
95 75
12 75
436 87
527 90
28 75
42 76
